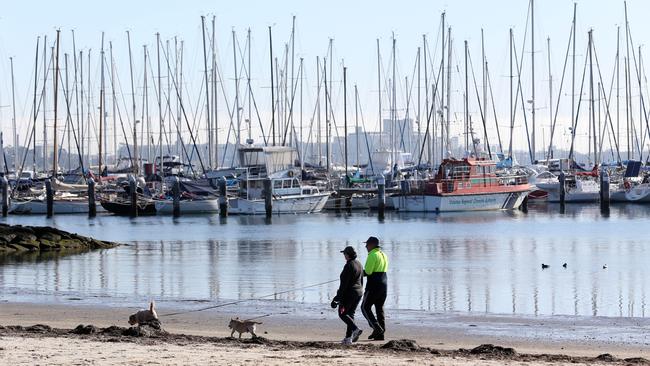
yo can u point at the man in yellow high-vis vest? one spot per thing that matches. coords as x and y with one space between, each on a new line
376 288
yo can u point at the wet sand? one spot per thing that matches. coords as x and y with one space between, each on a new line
312 338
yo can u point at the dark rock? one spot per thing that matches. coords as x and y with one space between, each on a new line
113 330
490 349
401 345
150 329
84 329
39 328
637 361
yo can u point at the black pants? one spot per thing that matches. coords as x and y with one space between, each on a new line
375 297
346 313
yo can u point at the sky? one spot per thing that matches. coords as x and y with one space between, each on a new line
354 26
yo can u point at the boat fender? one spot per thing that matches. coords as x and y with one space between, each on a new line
290 173
627 185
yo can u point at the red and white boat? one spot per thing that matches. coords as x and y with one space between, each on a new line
464 185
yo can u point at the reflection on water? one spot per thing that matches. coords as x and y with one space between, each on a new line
487 262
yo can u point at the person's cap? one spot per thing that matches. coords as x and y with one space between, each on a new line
349 251
372 240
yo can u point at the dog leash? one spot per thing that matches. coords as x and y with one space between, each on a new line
251 299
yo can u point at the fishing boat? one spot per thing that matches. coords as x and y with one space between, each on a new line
464 185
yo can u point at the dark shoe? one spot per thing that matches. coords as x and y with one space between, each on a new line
356 334
375 333
379 337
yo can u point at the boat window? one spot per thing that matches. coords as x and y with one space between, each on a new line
306 191
277 184
286 183
295 182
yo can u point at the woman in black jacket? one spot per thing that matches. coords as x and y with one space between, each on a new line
349 294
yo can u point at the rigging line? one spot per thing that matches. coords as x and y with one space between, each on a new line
251 299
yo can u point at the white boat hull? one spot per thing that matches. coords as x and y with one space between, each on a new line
451 203
588 194
166 207
639 194
59 207
281 205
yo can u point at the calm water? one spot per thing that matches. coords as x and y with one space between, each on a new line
487 262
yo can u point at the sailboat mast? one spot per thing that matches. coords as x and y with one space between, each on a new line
512 112
573 73
442 88
532 66
13 118
237 114
102 106
160 115
550 86
448 106
345 118
272 88
207 93
55 161
250 91
34 114
44 148
393 134
356 122
379 92
135 163
318 121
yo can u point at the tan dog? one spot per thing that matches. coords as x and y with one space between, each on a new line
242 326
144 316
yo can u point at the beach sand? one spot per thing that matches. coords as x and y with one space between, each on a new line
201 338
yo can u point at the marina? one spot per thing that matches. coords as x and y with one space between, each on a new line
471 179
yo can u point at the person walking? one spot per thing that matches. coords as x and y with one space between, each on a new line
376 288
349 294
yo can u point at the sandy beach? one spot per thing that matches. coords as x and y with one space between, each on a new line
201 337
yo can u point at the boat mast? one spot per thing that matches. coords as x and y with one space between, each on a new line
393 135
207 94
55 161
466 104
345 118
38 39
318 121
550 86
442 89
215 99
13 118
135 163
485 106
250 92
160 116
419 140
618 90
145 100
573 73
356 121
592 106
237 114
512 112
449 46
628 88
114 104
532 66
379 93
44 104
327 118
272 88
